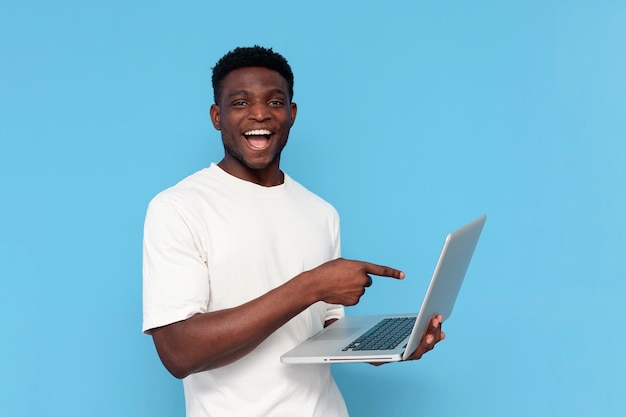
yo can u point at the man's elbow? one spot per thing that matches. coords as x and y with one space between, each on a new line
171 358
177 372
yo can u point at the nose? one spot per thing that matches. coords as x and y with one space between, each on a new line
258 111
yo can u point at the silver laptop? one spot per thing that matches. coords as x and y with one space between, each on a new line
394 337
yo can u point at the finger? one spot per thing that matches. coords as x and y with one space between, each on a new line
436 327
369 282
383 271
429 343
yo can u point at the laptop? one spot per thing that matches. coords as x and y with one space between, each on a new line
361 338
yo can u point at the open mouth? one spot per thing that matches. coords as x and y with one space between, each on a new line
258 138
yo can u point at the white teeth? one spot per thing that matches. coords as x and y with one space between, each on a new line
257 132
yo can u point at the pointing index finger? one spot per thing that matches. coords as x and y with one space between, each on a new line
383 271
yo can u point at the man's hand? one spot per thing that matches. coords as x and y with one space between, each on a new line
433 335
344 281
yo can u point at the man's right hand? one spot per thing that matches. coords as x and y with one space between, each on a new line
344 281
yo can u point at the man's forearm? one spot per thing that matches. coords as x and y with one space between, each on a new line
210 340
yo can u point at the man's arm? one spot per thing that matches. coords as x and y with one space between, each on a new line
210 340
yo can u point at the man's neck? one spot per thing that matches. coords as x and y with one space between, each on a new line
269 177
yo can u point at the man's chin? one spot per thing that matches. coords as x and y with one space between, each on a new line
253 161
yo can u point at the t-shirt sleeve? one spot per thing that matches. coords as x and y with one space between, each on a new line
334 311
175 274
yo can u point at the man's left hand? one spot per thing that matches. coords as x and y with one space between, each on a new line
433 335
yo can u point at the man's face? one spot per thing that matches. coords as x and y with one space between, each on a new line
255 115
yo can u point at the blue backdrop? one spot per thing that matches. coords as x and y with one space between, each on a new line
414 117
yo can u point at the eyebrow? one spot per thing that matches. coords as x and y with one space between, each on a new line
246 92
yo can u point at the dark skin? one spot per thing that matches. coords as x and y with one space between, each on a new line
254 115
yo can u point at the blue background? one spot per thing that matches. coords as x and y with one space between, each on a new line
414 117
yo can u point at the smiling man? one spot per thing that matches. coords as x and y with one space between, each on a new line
242 263
255 114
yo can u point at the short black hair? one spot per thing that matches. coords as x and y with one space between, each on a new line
243 57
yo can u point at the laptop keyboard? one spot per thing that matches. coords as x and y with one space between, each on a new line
387 334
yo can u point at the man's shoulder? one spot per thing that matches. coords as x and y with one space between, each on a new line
306 194
188 189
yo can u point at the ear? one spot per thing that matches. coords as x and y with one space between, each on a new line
214 112
294 111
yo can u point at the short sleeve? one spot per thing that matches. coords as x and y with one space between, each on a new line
334 311
175 274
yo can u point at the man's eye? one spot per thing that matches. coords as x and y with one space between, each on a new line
239 103
276 103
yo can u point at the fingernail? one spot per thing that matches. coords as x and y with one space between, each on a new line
429 339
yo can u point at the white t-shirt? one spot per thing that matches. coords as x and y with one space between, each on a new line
214 241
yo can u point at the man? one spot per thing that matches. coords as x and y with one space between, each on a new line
241 263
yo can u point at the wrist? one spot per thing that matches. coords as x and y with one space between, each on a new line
306 287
